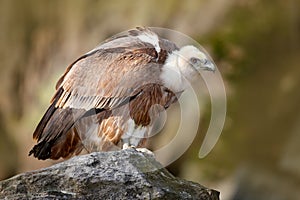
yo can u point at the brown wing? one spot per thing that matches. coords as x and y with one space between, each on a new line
104 131
103 79
55 134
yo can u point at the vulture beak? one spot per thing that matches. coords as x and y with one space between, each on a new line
203 64
208 65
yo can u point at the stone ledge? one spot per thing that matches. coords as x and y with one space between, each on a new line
125 174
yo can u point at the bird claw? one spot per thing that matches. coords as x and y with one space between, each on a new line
145 150
142 150
127 146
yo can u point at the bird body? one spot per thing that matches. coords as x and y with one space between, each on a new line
111 95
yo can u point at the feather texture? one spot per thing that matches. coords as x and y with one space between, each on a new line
101 91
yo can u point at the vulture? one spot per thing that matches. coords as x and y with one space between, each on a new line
108 98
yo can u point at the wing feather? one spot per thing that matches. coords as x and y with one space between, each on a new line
105 78
110 73
103 81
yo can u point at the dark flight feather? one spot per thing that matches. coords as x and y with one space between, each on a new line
123 72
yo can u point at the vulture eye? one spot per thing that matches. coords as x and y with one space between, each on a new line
194 60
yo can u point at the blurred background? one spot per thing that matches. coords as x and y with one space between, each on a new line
256 45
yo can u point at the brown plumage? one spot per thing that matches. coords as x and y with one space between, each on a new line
109 96
105 87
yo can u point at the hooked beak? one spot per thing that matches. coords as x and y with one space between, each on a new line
208 65
203 64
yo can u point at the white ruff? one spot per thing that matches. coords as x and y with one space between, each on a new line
133 134
150 38
171 74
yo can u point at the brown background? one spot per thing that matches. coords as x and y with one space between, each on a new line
256 45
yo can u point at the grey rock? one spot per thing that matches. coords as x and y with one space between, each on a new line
125 174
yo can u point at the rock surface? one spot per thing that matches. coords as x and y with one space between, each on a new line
126 174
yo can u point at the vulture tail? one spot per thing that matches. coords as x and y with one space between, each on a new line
55 133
